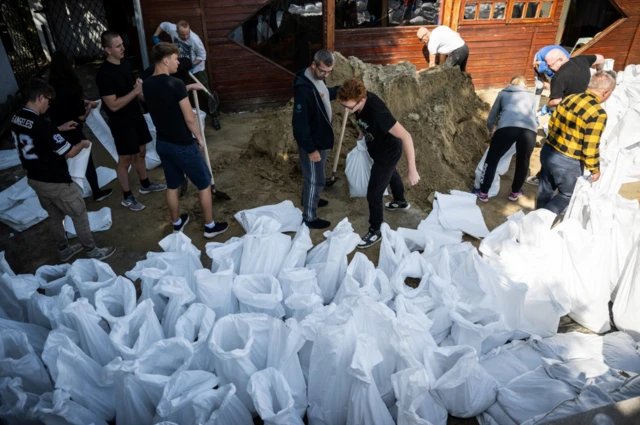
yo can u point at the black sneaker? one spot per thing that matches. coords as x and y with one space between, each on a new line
216 230
180 227
216 122
102 195
395 205
321 203
318 223
370 239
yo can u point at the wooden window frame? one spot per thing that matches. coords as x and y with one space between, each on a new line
508 12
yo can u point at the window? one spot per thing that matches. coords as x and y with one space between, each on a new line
370 13
487 11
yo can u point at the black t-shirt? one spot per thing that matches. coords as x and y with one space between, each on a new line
375 120
68 106
119 80
572 77
162 94
41 147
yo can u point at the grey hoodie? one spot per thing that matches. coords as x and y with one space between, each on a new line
516 107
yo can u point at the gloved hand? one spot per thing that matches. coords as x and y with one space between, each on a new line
545 111
156 39
191 70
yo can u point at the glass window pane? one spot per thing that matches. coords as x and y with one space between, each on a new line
485 11
545 10
532 9
518 8
498 10
470 11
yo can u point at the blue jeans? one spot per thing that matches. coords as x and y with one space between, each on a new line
558 172
178 160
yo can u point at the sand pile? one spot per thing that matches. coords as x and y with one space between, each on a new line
438 107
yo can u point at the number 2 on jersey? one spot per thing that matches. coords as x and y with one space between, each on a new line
25 143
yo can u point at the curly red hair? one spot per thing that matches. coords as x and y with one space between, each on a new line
352 89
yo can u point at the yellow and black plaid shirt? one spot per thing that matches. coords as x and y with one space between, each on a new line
576 127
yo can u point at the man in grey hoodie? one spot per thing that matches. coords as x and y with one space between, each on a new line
515 113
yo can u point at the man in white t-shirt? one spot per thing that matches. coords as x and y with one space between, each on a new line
445 41
191 48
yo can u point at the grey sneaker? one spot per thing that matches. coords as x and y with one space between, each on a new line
69 252
101 253
534 180
132 203
153 187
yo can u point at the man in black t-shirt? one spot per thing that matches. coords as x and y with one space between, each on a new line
168 103
120 91
43 153
386 138
572 76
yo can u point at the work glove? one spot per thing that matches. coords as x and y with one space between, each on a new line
545 111
156 39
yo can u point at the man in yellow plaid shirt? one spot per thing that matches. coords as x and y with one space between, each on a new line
573 143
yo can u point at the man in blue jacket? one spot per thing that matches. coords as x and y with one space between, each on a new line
313 132
543 72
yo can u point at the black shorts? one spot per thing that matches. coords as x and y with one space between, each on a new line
129 135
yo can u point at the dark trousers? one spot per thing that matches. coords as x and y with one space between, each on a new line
383 175
314 182
501 142
92 176
558 172
458 57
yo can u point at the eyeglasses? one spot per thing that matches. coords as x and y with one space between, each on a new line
350 108
322 71
48 98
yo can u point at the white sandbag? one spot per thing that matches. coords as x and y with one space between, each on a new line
621 352
413 266
366 405
221 407
150 272
411 334
135 333
221 252
362 279
459 383
9 158
272 397
299 306
501 169
524 351
329 258
176 404
630 389
4 266
16 404
589 399
533 394
90 275
502 365
151 159
195 325
300 245
581 373
99 221
177 291
176 264
78 374
19 360
416 406
105 176
259 293
626 308
436 235
265 248
392 250
284 213
358 170
458 211
81 317
78 166
54 277
215 290
57 408
116 301
45 311
36 335
300 291
414 239
480 328
140 383
571 346
15 194
101 130
179 242
15 292
19 206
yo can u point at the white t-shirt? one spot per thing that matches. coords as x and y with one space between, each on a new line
192 48
444 40
323 90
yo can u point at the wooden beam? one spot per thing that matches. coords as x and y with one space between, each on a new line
385 13
329 24
633 41
563 21
205 39
446 9
455 15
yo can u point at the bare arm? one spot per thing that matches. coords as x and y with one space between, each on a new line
407 145
77 148
116 103
190 119
158 30
599 63
553 103
432 60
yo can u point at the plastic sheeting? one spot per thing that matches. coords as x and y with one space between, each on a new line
502 169
99 221
19 207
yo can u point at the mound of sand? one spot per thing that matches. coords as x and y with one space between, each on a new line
438 107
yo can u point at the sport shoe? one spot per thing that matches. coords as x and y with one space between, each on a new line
514 196
102 195
370 239
153 187
218 229
101 253
216 122
184 218
321 203
483 197
132 203
69 252
532 180
475 191
318 223
395 205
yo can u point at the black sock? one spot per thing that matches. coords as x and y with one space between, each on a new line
145 183
125 195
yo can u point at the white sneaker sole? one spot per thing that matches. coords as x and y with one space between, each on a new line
183 226
211 235
397 209
369 246
132 209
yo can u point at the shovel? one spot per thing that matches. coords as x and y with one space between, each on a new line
213 98
334 179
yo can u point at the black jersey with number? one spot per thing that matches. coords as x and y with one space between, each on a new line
42 148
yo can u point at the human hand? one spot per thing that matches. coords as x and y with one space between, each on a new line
138 87
85 144
414 177
156 39
196 86
69 125
360 135
200 142
594 177
315 156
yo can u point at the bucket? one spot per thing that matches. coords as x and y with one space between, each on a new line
608 64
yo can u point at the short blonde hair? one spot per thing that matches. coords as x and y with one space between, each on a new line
519 80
